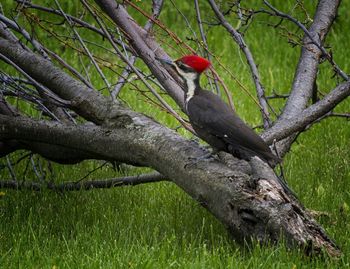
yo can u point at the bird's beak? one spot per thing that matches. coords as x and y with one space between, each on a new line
165 61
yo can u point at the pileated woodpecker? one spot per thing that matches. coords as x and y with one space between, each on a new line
213 120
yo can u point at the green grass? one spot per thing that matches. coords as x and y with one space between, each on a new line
158 225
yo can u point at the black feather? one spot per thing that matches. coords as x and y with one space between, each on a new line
217 124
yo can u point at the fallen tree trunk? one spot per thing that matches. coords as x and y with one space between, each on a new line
251 206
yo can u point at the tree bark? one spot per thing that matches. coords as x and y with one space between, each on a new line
306 72
249 205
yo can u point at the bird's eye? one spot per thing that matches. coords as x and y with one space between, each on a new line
180 64
184 67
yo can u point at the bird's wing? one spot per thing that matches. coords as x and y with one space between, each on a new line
226 124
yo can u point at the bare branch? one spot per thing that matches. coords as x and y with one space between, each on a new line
25 34
132 67
84 100
76 34
237 37
204 39
69 67
145 47
306 71
276 95
156 8
309 115
35 83
325 53
83 185
28 4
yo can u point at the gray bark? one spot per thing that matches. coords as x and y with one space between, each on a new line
306 72
146 48
249 205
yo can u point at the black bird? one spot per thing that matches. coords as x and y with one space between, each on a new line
213 120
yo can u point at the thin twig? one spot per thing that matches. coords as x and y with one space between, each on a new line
237 37
69 67
156 9
84 47
205 43
325 53
276 95
84 24
35 83
90 172
122 56
10 168
13 25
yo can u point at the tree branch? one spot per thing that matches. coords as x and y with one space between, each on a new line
28 4
237 37
305 74
133 68
205 43
85 101
83 185
25 34
306 71
298 123
314 41
156 9
145 46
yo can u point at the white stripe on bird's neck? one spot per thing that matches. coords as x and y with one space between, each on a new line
189 79
191 86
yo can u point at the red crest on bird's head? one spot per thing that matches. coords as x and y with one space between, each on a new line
199 64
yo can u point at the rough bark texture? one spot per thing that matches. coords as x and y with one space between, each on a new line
250 206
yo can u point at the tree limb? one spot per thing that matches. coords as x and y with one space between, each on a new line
314 41
83 185
306 71
237 37
156 9
298 123
145 47
84 100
